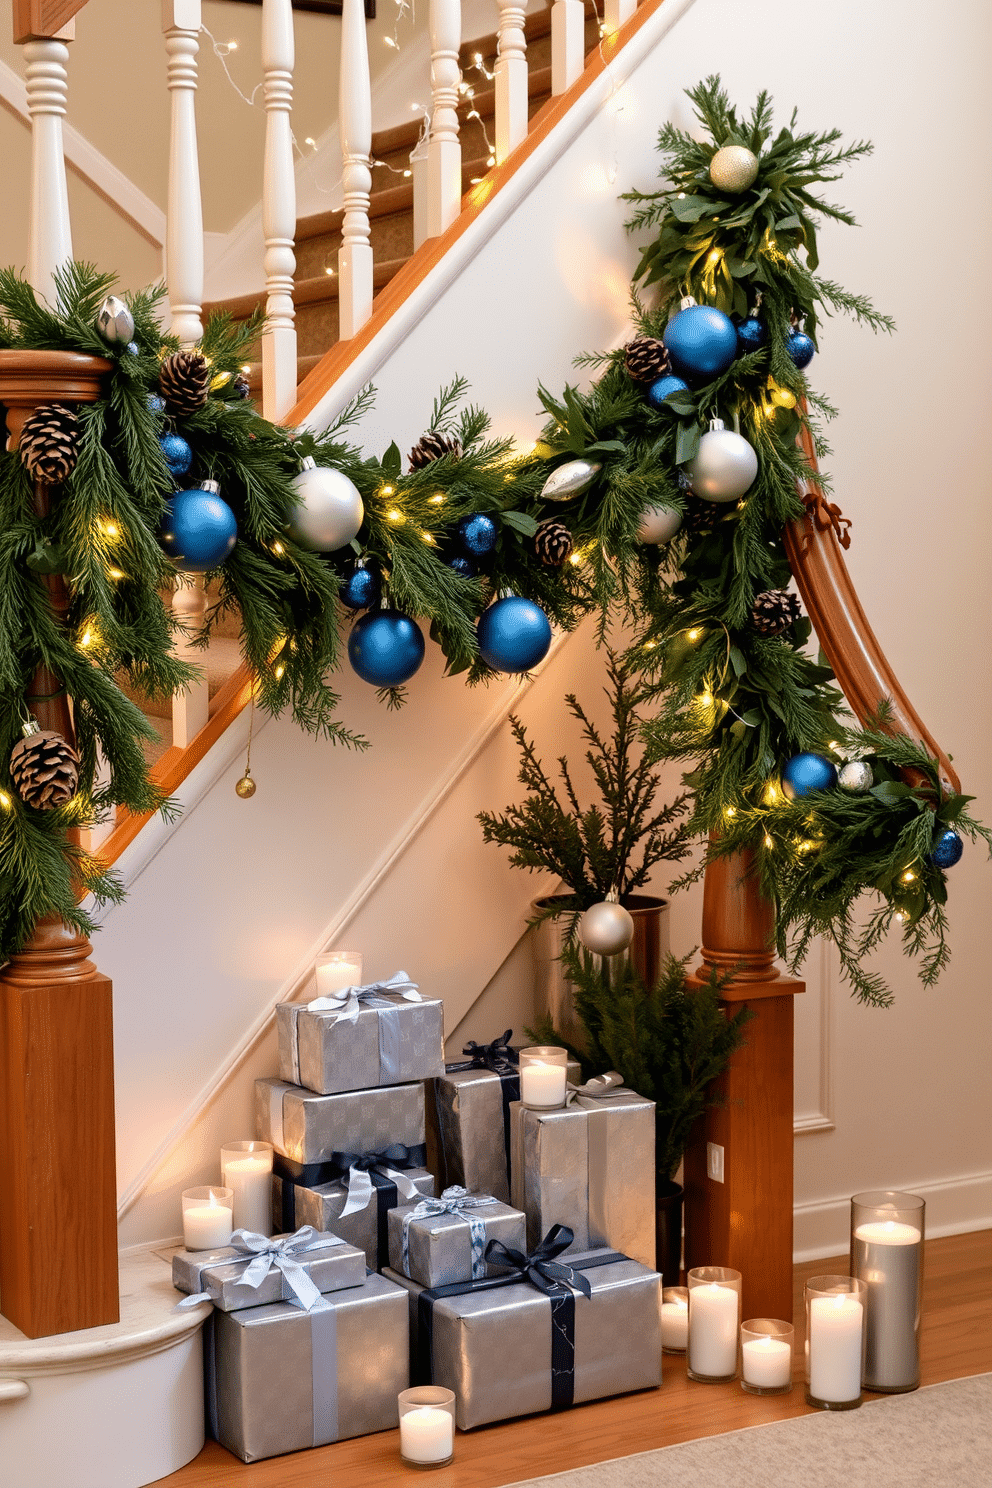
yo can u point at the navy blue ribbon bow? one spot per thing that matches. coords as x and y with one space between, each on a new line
500 1060
380 1170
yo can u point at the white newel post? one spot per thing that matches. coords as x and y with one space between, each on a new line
444 155
278 211
355 253
47 81
568 43
190 708
511 79
616 12
184 228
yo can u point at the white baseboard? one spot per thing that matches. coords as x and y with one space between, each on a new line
955 1206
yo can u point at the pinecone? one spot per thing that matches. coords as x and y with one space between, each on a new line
700 516
44 769
184 381
552 542
646 359
49 443
774 611
431 446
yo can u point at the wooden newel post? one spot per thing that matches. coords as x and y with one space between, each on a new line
58 1192
746 1221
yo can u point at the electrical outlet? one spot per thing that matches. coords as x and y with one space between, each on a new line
714 1162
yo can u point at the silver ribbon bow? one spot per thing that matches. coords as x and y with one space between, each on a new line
601 1087
454 1200
360 1187
279 1251
346 1002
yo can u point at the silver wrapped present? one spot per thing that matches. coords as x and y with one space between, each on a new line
444 1240
307 1128
382 1034
355 1204
509 1348
588 1165
254 1270
283 1380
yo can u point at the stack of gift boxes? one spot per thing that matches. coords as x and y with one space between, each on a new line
528 1282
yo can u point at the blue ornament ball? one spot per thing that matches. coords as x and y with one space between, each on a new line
198 530
806 773
133 349
361 589
385 648
663 388
477 534
701 341
177 453
800 348
947 849
514 634
156 403
464 566
750 335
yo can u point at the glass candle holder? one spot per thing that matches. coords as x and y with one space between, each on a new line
766 1356
835 1341
887 1255
714 1323
674 1320
207 1218
427 1426
246 1168
337 970
543 1073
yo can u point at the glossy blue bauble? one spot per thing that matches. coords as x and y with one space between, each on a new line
663 388
806 773
133 349
477 534
800 348
701 341
464 566
386 648
361 589
947 849
176 452
514 634
156 403
751 335
198 530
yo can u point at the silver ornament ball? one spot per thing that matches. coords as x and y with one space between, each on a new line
606 928
658 524
733 168
724 467
328 511
856 776
114 321
570 479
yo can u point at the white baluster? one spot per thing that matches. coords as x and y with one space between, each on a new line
184 229
444 155
355 253
616 12
278 211
511 78
190 708
568 43
50 243
421 201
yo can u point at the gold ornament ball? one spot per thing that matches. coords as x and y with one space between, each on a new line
733 168
245 786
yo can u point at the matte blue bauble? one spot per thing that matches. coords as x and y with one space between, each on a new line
133 349
806 773
750 335
514 634
177 453
663 388
800 348
701 341
198 530
386 648
947 849
477 534
156 403
464 566
360 589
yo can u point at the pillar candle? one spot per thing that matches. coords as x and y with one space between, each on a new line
251 1179
427 1434
834 1343
887 1256
713 1331
674 1324
766 1362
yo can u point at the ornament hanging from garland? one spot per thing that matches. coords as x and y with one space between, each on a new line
856 776
552 543
115 323
246 787
774 611
606 928
176 452
241 387
514 634
658 524
361 588
947 849
184 382
701 340
463 566
801 348
725 465
477 534
386 648
733 168
663 389
805 773
570 480
751 335
199 529
646 359
156 403
329 511
433 446
49 443
44 768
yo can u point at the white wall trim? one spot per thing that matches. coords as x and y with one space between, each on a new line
956 1206
822 1119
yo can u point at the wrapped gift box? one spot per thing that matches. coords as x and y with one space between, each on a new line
590 1166
283 1380
389 1041
444 1240
330 1262
502 1355
306 1128
321 1205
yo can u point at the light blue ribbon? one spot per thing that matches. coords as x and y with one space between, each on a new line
262 1253
459 1201
601 1087
344 1007
324 1357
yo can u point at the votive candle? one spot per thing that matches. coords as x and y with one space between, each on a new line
766 1356
675 1319
337 970
427 1425
207 1218
543 1076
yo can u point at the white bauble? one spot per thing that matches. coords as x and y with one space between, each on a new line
606 928
856 776
733 168
328 510
658 524
725 466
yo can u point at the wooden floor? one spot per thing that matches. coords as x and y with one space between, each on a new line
957 1341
